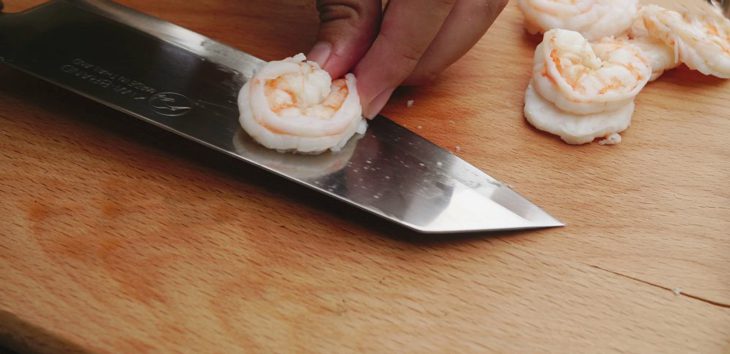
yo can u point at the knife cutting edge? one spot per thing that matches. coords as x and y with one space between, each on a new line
186 83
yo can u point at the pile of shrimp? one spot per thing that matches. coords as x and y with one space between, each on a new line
293 105
597 55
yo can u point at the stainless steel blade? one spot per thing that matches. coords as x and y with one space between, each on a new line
186 83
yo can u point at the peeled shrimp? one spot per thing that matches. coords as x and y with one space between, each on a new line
702 42
582 91
583 78
294 105
575 128
662 55
592 18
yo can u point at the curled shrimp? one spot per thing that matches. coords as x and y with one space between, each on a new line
576 128
294 105
594 19
582 91
663 55
584 78
702 42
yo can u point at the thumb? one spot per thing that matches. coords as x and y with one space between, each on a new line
347 29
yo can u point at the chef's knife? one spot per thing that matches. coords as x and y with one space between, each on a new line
186 83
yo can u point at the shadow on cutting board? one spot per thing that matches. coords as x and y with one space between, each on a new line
88 113
18 336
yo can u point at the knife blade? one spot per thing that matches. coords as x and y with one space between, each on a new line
187 83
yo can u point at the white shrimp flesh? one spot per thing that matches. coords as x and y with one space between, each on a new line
294 105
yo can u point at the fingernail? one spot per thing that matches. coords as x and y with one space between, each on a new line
378 103
320 53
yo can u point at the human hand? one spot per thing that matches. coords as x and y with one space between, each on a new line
408 42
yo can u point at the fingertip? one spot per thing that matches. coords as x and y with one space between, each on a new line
374 87
320 53
420 78
327 58
338 65
376 104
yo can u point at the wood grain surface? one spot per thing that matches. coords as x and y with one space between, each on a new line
116 237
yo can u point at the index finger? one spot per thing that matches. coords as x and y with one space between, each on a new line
408 28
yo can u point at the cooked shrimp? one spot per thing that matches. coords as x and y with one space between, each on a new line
592 18
663 55
575 128
293 105
583 78
702 41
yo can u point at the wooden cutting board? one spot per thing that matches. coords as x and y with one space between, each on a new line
117 237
